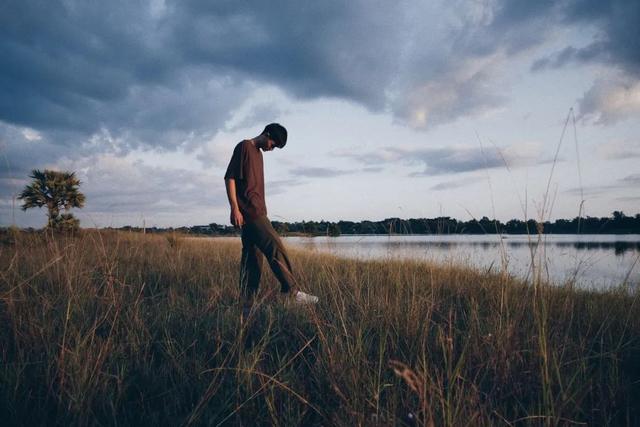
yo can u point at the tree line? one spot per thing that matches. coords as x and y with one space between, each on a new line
617 223
59 192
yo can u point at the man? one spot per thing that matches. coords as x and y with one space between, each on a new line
244 181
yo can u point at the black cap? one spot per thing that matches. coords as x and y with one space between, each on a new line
276 132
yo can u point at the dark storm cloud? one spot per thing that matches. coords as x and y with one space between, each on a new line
61 62
81 78
617 39
568 55
148 69
17 152
167 74
64 62
164 74
310 48
81 67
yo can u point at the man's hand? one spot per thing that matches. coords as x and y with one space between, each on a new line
236 218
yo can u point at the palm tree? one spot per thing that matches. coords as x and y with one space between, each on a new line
55 190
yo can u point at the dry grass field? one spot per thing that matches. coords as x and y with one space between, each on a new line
109 328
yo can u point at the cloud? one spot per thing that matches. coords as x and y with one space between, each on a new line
123 191
454 61
22 149
117 186
616 39
317 172
372 169
615 45
163 74
568 55
629 181
466 75
111 77
281 186
80 68
114 183
272 43
216 153
31 135
467 89
451 185
261 113
611 100
632 199
620 149
454 159
592 191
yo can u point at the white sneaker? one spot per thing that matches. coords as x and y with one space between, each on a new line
302 298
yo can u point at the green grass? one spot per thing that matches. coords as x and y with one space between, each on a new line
131 329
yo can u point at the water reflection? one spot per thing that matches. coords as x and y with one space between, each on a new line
619 247
590 260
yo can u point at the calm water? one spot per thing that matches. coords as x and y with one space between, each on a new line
595 261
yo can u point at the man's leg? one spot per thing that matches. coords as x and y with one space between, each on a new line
268 241
250 265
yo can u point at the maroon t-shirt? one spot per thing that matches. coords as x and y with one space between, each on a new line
247 169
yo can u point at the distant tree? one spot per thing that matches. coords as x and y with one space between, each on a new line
311 227
280 227
57 191
333 230
618 215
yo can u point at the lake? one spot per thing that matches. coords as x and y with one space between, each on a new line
595 261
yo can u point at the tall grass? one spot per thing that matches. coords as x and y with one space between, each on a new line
131 329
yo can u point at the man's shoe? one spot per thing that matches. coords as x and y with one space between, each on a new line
302 298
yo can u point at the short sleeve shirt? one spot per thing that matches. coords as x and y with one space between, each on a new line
246 168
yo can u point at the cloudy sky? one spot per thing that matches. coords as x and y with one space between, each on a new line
394 109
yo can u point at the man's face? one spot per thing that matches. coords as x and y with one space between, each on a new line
269 145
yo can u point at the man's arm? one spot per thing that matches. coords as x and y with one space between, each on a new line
236 216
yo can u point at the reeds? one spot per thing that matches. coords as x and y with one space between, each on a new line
132 329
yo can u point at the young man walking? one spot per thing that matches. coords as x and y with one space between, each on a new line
244 181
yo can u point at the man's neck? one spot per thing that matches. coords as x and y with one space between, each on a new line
258 141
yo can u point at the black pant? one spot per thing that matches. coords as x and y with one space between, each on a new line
259 235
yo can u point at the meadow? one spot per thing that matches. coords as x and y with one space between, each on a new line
107 328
